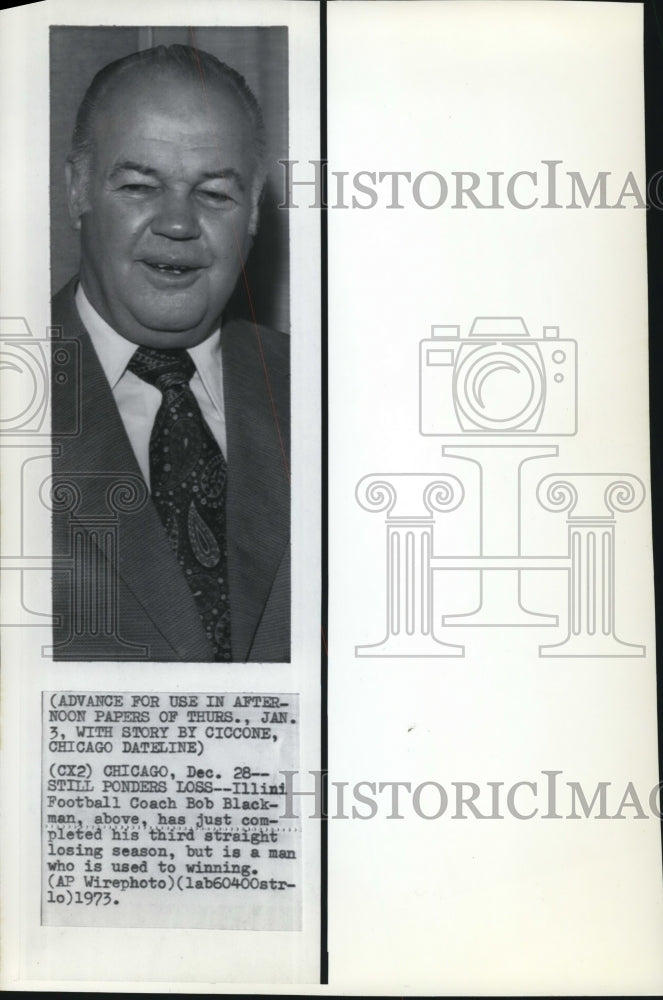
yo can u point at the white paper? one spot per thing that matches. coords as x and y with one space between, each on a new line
493 784
475 905
166 943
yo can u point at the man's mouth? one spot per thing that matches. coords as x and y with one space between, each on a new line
172 275
170 268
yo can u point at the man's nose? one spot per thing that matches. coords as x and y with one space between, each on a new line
176 217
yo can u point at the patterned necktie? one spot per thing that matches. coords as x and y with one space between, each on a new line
188 485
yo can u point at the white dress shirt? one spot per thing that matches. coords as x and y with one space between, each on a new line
138 401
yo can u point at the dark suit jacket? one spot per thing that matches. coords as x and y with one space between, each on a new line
118 592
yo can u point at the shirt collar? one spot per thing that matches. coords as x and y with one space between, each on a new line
207 359
115 351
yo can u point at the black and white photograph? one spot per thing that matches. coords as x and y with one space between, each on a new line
169 265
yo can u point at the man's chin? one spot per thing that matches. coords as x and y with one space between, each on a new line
170 339
168 331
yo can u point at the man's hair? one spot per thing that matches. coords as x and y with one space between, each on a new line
173 61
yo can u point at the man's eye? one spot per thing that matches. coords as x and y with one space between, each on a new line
138 188
216 197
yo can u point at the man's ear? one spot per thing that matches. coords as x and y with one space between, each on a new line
76 176
257 196
254 219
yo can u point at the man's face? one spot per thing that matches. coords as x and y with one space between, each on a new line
167 211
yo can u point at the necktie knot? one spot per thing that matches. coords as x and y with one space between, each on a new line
163 369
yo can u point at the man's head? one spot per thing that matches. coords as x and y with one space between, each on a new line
164 180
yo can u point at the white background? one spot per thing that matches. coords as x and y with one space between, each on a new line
476 906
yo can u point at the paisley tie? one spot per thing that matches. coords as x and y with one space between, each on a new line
188 485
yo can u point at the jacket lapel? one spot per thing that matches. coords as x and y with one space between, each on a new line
101 454
258 497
